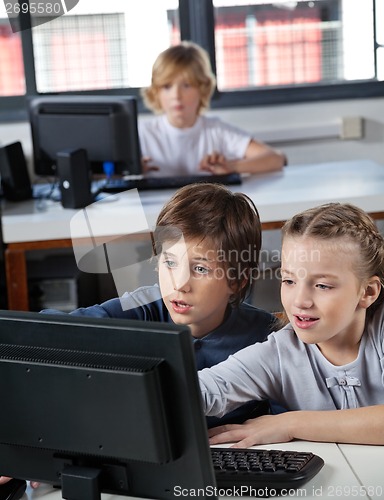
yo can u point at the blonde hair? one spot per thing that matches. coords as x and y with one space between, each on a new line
336 221
188 59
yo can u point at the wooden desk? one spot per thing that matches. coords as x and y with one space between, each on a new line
278 197
337 479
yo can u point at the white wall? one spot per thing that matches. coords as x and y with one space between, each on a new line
315 119
286 125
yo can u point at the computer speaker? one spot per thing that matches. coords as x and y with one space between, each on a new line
15 181
74 178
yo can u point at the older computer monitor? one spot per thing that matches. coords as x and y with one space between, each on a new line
104 126
102 405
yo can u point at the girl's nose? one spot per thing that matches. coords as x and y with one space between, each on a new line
303 298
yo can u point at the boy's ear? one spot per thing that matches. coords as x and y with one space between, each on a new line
371 292
236 287
244 283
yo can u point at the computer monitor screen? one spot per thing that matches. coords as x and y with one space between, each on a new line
105 126
102 405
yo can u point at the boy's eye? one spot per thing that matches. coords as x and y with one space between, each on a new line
201 270
169 263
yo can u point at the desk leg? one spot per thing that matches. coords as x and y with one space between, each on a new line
17 281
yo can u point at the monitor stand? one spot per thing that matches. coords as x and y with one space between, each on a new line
83 483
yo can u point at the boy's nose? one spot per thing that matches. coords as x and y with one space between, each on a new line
181 285
180 279
176 91
185 287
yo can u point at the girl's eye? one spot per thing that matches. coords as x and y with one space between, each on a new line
323 287
287 281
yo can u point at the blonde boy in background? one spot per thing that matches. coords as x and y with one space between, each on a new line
180 139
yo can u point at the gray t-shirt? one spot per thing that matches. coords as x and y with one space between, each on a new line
297 375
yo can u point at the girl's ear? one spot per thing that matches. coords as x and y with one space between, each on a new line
371 292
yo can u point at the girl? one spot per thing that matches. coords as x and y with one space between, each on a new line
180 140
327 364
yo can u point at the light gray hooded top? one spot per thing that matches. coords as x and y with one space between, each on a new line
297 375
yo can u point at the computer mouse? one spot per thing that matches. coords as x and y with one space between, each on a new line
13 489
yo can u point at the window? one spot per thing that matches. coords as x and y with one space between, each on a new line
263 52
94 47
272 52
12 80
380 39
84 52
283 43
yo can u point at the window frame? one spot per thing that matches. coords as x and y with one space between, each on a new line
197 24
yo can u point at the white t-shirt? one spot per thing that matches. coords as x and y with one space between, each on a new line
179 151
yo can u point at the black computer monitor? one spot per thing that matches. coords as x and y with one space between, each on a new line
105 126
104 405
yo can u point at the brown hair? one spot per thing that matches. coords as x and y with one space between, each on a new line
186 58
230 221
337 220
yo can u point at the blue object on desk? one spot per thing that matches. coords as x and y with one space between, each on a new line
47 190
51 191
108 169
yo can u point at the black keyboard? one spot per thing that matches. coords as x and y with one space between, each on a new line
269 470
117 185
